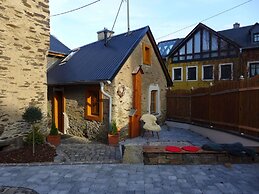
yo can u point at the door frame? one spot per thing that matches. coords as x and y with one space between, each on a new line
134 120
58 94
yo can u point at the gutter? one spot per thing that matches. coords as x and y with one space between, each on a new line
110 101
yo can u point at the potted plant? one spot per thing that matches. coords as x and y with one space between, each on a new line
54 137
113 135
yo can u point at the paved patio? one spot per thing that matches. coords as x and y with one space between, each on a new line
80 150
133 179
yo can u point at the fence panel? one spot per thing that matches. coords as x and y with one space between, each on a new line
230 105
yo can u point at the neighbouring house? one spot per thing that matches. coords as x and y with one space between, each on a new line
24 42
205 57
57 51
165 48
115 78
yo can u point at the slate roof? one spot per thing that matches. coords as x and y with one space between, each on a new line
241 36
96 62
57 46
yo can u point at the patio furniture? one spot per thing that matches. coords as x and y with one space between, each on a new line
150 124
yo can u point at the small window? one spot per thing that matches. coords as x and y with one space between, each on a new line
69 56
177 74
153 102
93 110
253 69
154 99
146 54
256 37
226 71
192 73
207 72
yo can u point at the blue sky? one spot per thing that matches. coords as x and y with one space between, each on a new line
163 16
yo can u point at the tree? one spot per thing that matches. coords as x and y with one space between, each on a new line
32 115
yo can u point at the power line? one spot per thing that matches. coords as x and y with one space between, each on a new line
75 9
117 15
194 24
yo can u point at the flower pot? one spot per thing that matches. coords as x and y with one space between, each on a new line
54 139
113 139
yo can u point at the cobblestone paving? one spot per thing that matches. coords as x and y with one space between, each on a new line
170 136
75 149
121 178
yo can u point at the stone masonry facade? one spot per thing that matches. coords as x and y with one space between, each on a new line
153 74
24 42
121 90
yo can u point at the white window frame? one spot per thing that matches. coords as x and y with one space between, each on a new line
222 64
196 73
248 66
203 72
158 108
181 74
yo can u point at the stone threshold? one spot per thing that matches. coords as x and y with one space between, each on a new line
153 155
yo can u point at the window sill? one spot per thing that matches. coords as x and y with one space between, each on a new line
93 118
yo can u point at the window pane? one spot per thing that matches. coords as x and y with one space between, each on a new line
226 71
191 73
189 57
214 43
177 74
95 103
207 72
214 54
256 37
254 69
197 42
189 47
205 41
182 51
153 101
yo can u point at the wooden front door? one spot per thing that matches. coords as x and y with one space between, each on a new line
134 122
58 104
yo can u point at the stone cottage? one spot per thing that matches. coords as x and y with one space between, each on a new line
24 42
115 78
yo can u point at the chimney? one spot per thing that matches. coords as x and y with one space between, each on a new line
236 25
104 34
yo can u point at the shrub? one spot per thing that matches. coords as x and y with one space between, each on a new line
53 130
114 128
38 137
32 114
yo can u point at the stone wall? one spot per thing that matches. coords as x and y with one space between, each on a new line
75 110
153 74
24 41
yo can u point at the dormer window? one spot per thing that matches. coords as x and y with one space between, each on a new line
256 37
69 56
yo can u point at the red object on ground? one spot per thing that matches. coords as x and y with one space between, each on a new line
191 148
173 149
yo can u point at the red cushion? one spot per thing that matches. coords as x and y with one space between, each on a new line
191 148
173 149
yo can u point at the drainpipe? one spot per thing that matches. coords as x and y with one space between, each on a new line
110 101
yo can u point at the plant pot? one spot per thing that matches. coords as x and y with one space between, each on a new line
113 139
54 139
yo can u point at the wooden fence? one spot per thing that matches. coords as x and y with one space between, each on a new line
229 105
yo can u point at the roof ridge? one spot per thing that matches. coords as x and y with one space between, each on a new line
113 36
